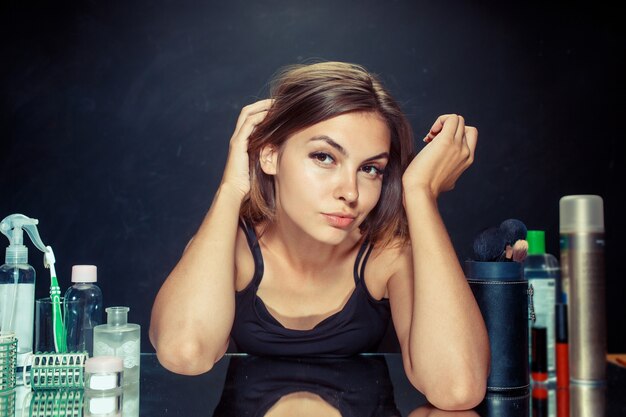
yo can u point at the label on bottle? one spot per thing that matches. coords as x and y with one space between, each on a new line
128 351
587 307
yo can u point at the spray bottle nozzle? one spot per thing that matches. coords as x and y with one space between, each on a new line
12 227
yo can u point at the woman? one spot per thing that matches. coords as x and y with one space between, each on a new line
324 224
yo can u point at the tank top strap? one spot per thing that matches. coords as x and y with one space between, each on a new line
366 249
253 244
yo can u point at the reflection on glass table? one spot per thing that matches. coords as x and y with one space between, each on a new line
359 386
24 402
365 385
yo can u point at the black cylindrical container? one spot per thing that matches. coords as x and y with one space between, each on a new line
504 405
501 292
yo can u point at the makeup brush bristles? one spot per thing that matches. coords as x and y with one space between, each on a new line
504 243
489 245
513 230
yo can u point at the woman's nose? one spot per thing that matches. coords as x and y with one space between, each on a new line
347 189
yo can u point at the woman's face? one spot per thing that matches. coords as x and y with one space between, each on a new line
328 177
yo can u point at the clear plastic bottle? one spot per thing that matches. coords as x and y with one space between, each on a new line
542 270
17 304
82 317
119 338
17 284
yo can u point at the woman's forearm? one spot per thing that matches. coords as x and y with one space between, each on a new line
448 344
193 312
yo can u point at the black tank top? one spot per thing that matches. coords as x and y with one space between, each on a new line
357 328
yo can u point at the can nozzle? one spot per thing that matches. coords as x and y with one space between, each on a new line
12 227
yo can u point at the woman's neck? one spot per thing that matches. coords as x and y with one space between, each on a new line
302 252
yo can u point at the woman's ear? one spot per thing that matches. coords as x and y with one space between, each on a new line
269 159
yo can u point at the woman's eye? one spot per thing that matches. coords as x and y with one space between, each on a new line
322 158
372 171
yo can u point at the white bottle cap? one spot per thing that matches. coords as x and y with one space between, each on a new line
581 213
84 273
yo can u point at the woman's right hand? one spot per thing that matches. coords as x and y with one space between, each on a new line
237 173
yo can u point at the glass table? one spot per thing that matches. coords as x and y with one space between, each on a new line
365 385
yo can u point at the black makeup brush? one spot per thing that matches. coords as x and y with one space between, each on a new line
489 245
516 246
513 230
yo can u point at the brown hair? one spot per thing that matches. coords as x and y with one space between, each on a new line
307 94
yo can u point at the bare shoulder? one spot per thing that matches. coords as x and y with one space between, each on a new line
386 262
244 262
393 257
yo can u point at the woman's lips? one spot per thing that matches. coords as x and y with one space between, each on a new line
337 220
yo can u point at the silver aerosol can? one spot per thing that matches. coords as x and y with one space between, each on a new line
581 219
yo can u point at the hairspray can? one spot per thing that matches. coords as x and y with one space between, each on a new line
581 219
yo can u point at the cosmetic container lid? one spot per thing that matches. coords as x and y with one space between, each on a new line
581 213
84 273
104 364
536 242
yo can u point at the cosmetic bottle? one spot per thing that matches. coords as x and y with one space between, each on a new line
581 224
542 271
17 285
83 316
104 373
538 362
562 347
119 338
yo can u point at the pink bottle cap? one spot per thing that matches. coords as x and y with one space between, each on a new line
84 273
104 364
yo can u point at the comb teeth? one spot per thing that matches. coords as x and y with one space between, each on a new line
57 371
57 403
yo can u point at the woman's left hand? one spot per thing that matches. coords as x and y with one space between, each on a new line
448 153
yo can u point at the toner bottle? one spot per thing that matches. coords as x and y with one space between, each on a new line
542 271
119 338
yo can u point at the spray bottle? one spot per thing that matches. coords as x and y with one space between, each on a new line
17 283
581 226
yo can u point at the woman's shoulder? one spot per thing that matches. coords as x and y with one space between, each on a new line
388 260
244 260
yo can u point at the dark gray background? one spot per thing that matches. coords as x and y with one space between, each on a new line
115 116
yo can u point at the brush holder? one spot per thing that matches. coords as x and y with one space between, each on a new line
503 404
502 294
8 361
45 325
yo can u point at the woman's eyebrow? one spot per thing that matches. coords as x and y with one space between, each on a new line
331 142
342 150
